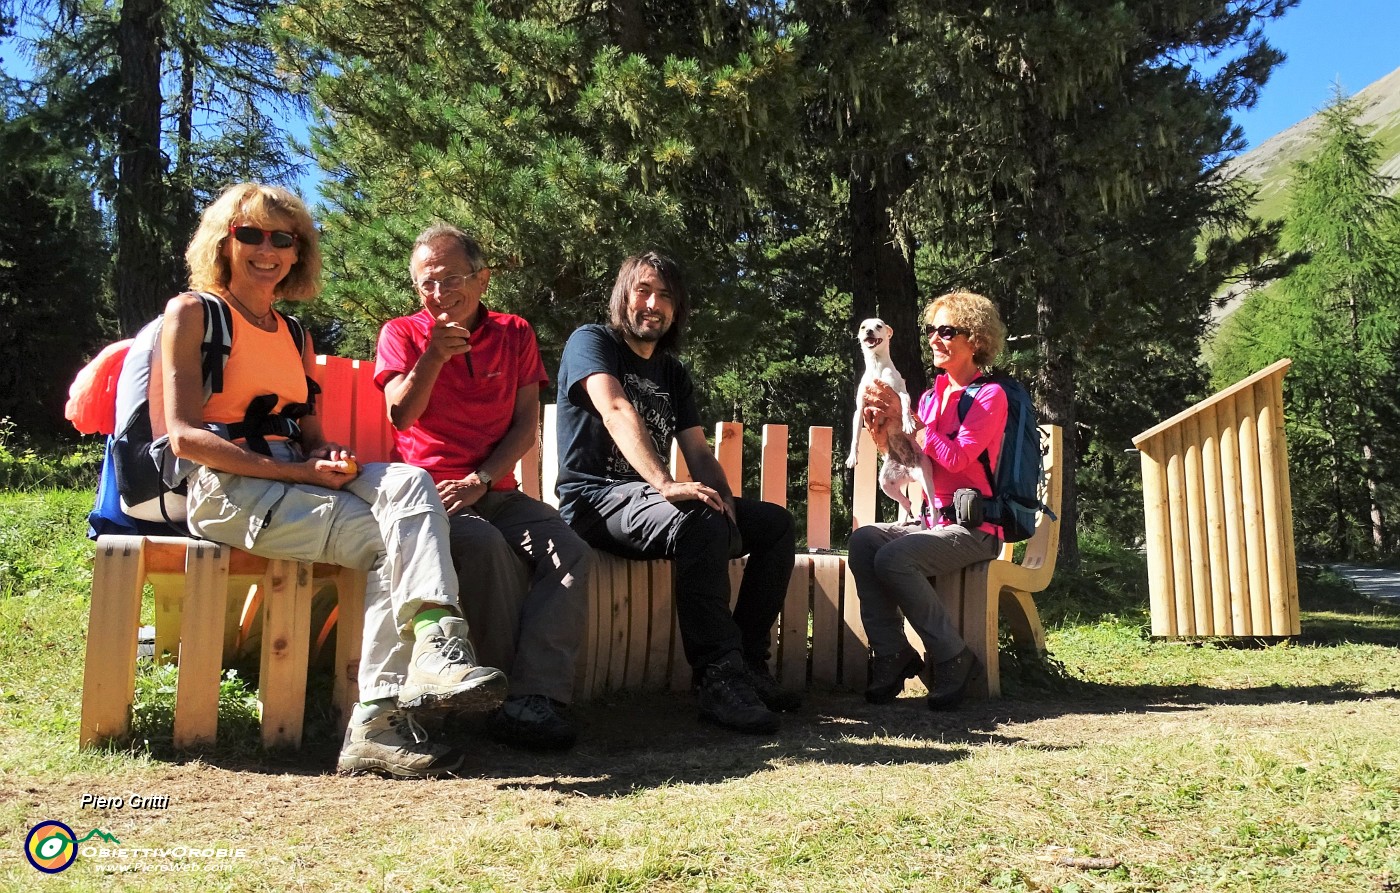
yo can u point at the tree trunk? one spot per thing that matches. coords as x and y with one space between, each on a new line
882 276
183 214
139 266
1055 387
629 25
1373 492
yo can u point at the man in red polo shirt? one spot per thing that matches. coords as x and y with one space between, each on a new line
462 383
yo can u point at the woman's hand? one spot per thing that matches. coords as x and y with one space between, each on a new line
328 473
343 458
880 408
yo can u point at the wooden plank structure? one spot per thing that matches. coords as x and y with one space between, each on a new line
208 596
1220 554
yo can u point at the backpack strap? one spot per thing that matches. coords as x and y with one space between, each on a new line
218 342
296 411
969 394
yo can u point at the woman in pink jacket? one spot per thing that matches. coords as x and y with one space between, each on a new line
892 563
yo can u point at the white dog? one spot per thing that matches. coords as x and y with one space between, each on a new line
904 462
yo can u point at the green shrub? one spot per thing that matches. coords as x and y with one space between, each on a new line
1111 582
27 467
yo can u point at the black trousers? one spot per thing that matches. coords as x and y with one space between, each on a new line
636 522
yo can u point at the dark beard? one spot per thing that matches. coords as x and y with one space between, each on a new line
652 335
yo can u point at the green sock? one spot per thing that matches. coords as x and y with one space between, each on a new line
427 618
367 710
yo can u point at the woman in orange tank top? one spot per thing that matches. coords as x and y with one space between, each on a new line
308 499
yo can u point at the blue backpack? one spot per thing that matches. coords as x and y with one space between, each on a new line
1019 478
141 489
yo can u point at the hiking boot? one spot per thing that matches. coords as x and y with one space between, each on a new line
773 696
950 679
727 698
392 743
533 722
443 673
887 674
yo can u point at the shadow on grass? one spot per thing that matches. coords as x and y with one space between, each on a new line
635 741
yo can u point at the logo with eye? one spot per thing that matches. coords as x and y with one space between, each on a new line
52 846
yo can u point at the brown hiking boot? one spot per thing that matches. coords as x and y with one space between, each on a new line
951 678
392 743
443 672
888 673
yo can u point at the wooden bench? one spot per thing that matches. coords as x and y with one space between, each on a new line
207 595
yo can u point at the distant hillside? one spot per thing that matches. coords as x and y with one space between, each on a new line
1271 163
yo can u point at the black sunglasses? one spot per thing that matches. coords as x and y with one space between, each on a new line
947 333
252 235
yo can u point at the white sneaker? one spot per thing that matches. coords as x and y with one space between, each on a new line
394 744
443 672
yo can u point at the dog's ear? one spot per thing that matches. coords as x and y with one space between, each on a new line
889 330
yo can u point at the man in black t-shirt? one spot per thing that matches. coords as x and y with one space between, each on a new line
623 397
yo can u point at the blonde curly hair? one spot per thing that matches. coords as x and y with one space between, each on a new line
254 204
971 311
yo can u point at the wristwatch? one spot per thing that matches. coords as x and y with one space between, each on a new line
485 478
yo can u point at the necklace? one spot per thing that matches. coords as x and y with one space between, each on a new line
259 320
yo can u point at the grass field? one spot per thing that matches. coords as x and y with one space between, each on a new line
1121 764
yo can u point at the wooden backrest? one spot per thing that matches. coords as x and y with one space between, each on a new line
352 409
1044 544
353 413
1219 515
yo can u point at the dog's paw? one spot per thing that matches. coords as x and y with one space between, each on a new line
909 426
851 461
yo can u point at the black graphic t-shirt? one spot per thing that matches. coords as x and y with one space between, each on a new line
659 389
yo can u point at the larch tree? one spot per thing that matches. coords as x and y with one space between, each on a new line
1337 315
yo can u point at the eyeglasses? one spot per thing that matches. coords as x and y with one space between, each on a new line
947 333
451 283
252 235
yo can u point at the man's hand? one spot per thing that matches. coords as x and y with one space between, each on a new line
685 491
448 339
458 496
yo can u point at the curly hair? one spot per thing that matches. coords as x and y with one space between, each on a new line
969 310
254 204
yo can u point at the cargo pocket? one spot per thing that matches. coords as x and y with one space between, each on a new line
265 517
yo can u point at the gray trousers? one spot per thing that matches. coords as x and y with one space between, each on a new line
388 521
892 565
524 590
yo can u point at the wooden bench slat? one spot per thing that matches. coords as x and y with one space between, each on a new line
201 644
285 644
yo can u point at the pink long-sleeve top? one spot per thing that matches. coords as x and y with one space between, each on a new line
954 447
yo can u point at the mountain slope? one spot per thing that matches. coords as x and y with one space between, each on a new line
1270 165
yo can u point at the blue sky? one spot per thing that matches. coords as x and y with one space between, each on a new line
1355 42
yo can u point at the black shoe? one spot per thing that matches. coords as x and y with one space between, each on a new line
727 698
950 680
533 722
773 695
887 674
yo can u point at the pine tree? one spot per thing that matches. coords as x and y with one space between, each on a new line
1337 316
141 82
